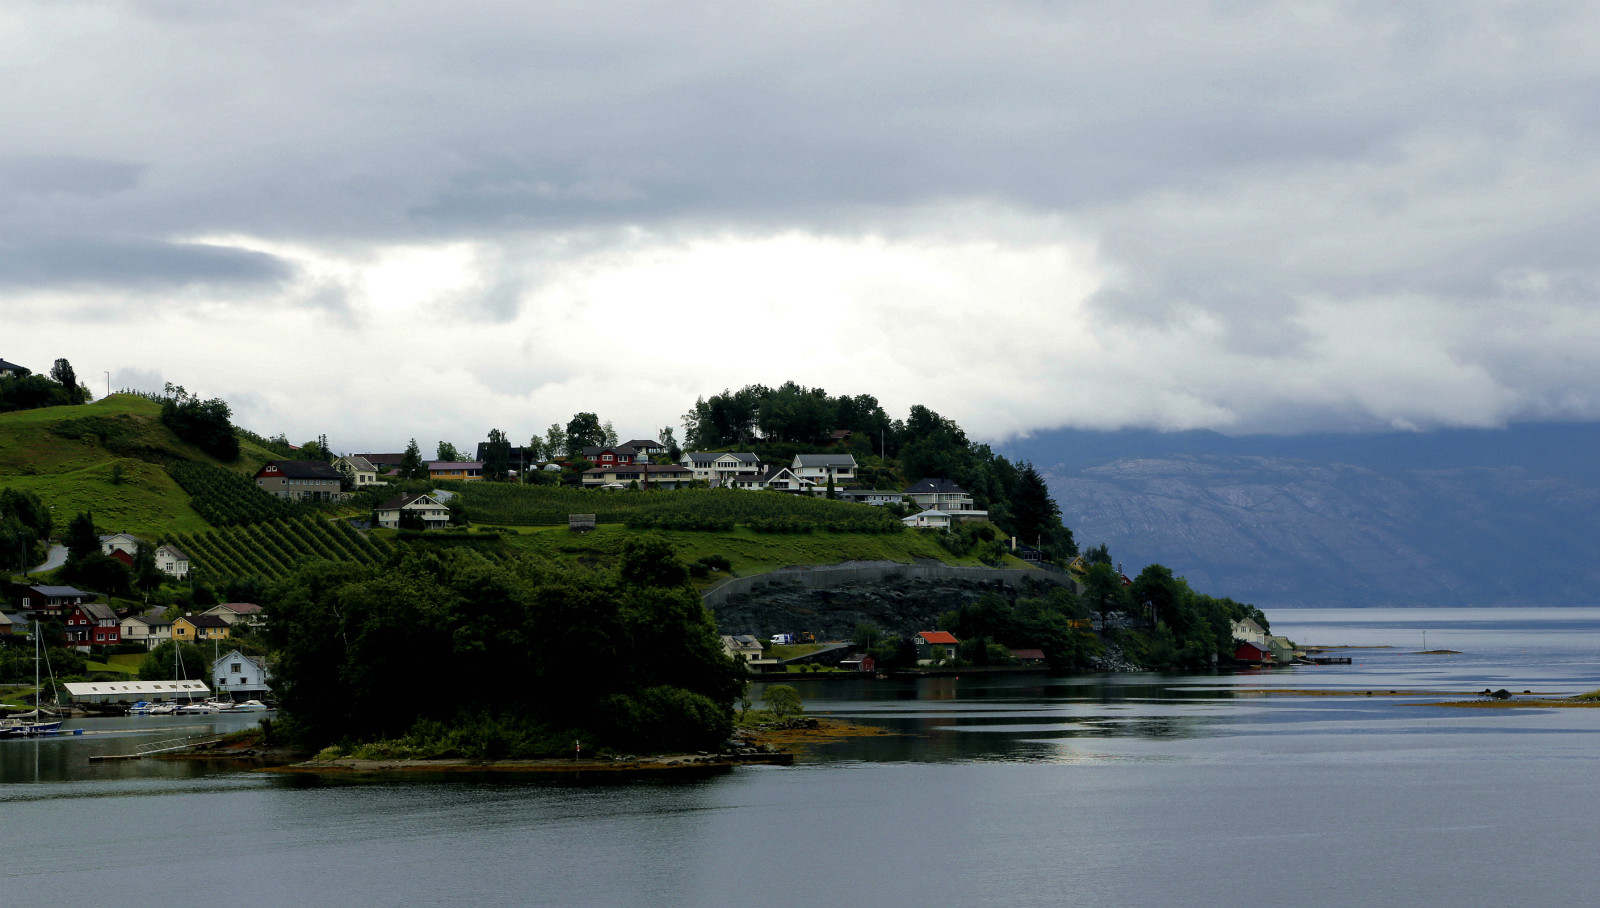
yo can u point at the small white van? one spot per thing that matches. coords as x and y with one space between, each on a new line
782 639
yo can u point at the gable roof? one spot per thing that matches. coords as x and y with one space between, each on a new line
455 465
60 591
359 464
387 460
238 608
204 621
176 552
152 618
646 468
7 368
936 487
99 611
303 469
639 444
400 501
824 460
937 637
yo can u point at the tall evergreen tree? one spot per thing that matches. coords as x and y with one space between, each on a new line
411 465
1033 511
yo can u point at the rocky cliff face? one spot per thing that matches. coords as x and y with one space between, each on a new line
1281 531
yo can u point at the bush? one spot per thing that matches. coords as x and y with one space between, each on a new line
664 719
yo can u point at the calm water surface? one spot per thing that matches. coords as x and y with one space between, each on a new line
1108 790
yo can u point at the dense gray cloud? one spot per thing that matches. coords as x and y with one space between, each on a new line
1233 215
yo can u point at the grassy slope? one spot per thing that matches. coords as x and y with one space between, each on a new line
749 552
74 474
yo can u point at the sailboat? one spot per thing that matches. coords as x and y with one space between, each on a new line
34 723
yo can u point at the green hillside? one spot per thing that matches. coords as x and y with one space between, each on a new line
71 457
749 552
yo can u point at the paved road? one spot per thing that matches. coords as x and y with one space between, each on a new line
58 557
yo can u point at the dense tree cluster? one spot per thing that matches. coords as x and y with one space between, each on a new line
26 391
628 659
203 423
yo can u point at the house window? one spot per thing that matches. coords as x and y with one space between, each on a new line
235 668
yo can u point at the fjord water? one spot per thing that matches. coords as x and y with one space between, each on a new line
1101 790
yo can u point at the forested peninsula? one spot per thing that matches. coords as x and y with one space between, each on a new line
505 628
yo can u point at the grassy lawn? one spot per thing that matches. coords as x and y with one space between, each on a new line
118 667
793 650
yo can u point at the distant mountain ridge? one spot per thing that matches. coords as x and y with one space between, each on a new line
1461 517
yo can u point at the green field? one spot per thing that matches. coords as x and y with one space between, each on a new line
68 456
749 552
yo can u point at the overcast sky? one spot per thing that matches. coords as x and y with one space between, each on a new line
397 219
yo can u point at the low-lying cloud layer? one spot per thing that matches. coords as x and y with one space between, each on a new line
385 220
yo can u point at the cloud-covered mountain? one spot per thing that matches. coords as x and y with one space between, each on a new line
1465 517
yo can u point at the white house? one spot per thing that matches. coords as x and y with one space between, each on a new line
778 479
172 561
1249 632
820 468
433 513
365 473
721 468
118 542
241 677
874 497
149 629
930 519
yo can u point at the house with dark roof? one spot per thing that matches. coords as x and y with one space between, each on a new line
430 510
647 447
383 462
93 624
12 370
301 480
51 600
820 468
149 628
190 628
874 497
362 471
946 496
721 468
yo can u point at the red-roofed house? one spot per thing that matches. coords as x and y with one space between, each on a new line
935 645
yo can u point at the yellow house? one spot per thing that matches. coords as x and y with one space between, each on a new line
462 470
192 628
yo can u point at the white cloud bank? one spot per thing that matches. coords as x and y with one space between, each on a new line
394 220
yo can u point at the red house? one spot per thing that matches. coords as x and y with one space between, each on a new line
93 624
1253 654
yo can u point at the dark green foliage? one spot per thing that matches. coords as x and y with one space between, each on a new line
16 662
784 701
1034 623
25 529
648 561
188 662
411 465
496 456
203 423
68 380
584 431
1190 630
447 452
144 575
225 498
30 392
540 647
81 539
